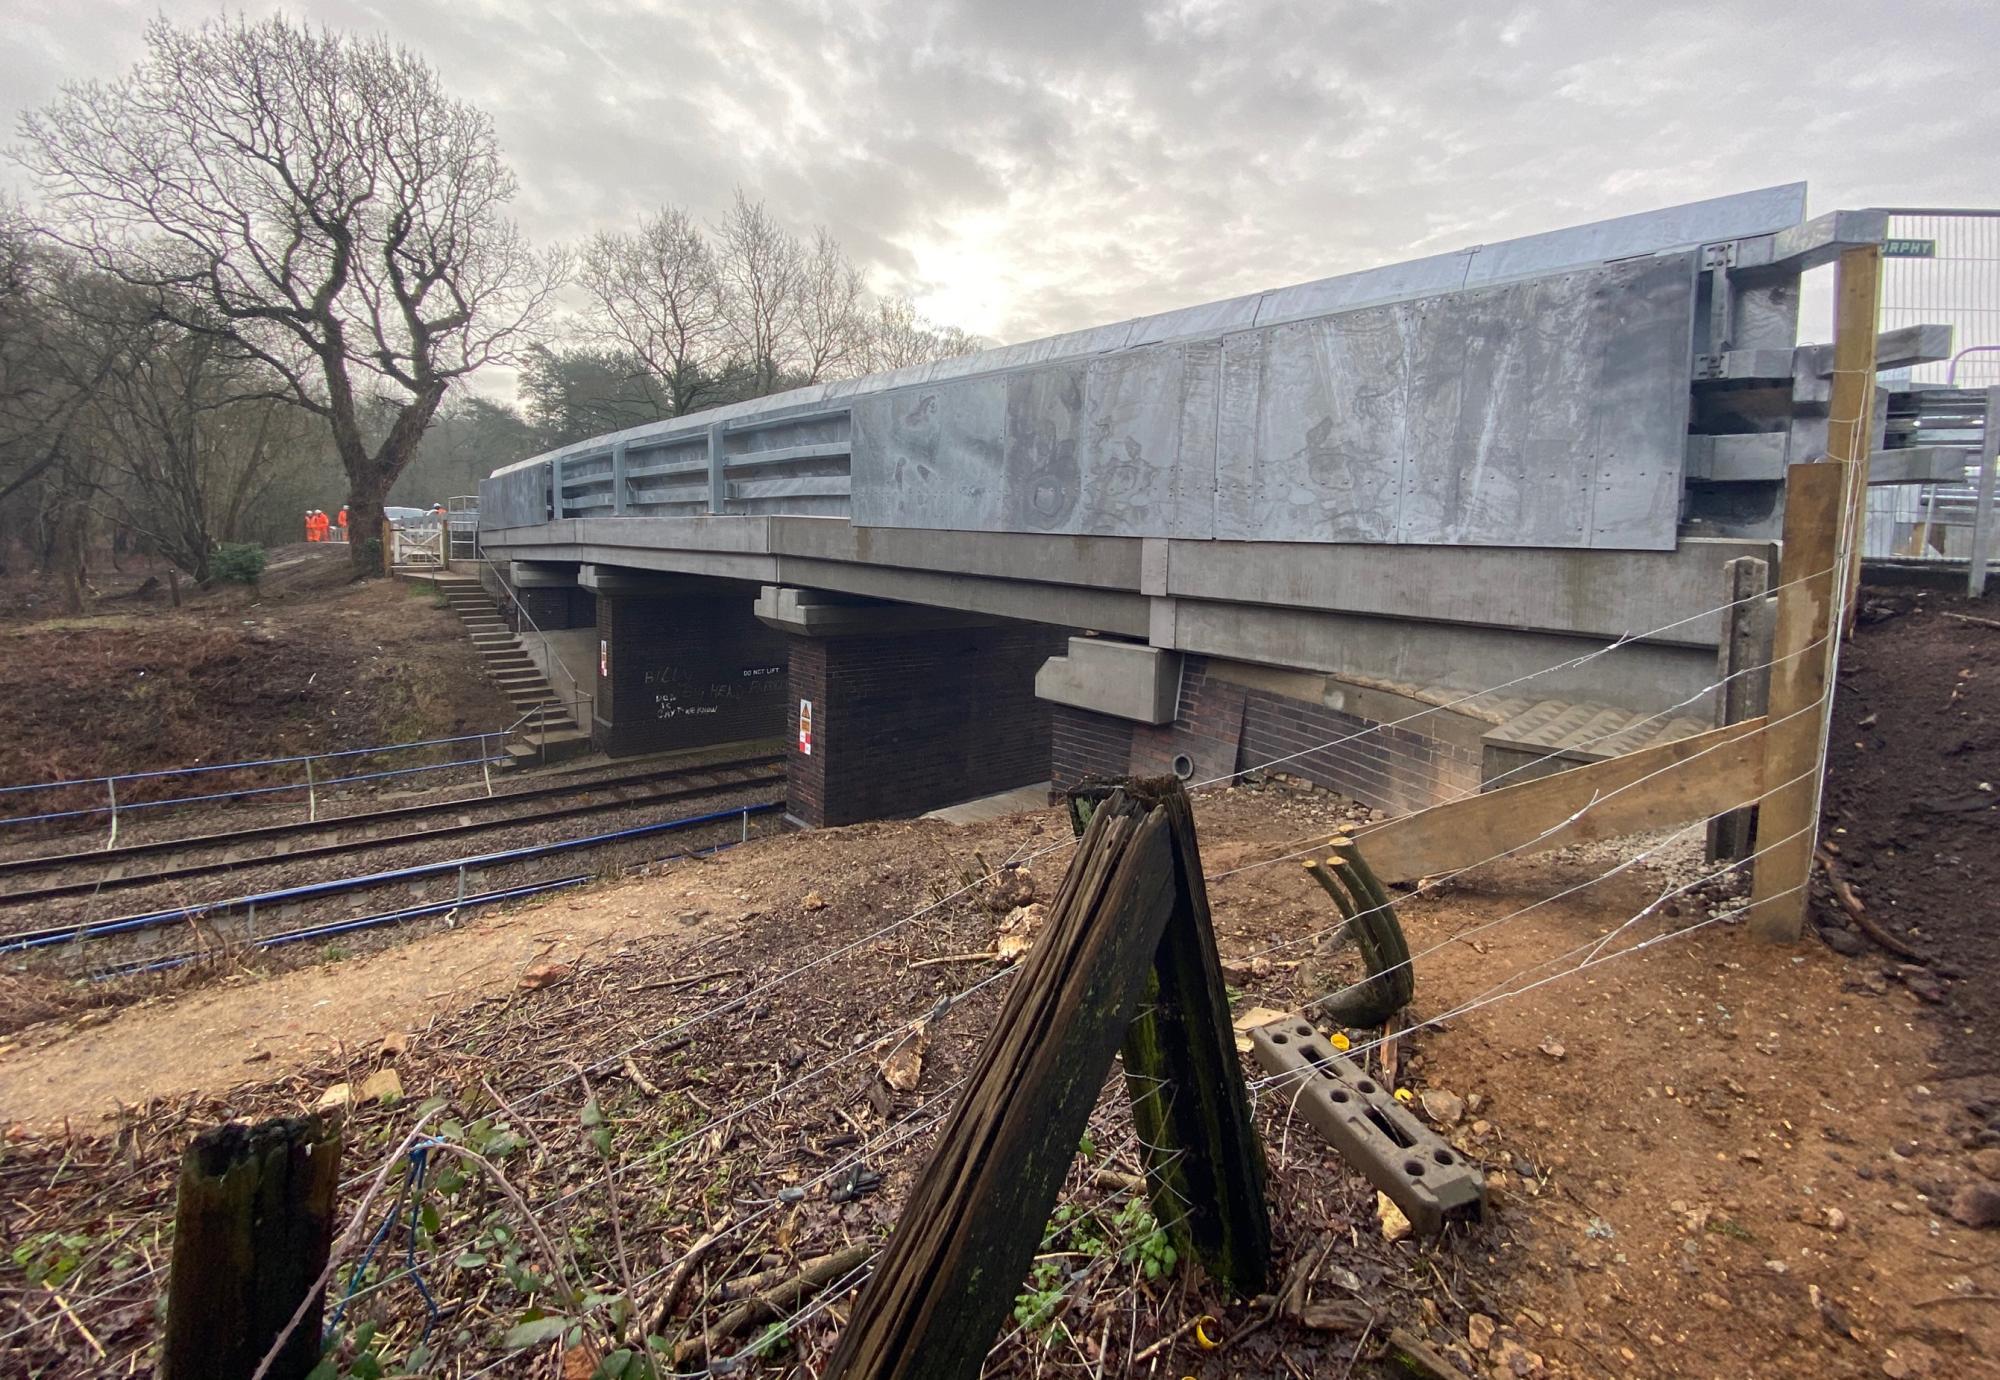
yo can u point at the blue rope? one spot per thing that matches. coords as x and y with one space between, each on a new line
419 1159
413 1189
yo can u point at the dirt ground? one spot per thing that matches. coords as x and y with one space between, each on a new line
1734 1166
305 661
1913 802
1706 1157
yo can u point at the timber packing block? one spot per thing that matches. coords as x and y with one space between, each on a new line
1431 1182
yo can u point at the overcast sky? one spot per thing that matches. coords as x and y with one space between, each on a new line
1021 167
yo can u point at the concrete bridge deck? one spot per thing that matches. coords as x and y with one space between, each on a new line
1297 510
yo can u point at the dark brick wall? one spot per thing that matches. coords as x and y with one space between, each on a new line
686 671
563 607
907 723
1086 744
1222 728
1394 769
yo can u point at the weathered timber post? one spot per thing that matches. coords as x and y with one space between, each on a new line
1124 929
1204 1165
253 1223
1742 656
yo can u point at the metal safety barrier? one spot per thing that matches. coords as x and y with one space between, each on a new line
312 784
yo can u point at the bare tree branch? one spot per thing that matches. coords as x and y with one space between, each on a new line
314 199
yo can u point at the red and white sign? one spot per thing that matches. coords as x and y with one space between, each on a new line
806 727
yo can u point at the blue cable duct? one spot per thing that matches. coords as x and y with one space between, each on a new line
365 922
389 917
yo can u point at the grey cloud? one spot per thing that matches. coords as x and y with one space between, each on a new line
1050 164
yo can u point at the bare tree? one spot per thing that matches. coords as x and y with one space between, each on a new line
323 203
656 296
897 337
187 430
760 265
49 374
829 315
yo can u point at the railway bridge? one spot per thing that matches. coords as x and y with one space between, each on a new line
1420 495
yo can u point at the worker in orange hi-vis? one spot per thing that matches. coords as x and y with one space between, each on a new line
343 522
319 525
309 524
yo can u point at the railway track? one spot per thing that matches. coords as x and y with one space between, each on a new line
243 909
173 860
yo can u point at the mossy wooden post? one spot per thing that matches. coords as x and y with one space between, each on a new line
1204 1164
253 1223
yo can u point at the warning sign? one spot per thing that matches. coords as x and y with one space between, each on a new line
806 727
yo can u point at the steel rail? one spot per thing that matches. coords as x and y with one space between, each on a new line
23 940
101 858
402 915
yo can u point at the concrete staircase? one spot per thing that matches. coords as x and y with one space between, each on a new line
551 733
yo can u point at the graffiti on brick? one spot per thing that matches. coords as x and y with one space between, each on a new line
682 692
668 705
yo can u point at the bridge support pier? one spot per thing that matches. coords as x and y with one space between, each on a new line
895 709
680 663
550 595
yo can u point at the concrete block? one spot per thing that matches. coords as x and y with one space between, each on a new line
540 575
1123 679
829 613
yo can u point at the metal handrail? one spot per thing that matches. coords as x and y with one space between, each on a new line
577 695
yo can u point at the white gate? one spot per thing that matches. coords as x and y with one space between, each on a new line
417 542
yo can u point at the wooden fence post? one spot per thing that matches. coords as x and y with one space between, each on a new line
1123 931
253 1223
1824 532
1204 1164
1742 657
1816 507
1850 425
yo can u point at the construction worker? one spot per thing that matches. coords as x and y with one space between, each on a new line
319 525
343 522
309 524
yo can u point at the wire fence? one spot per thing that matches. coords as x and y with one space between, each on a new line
314 780
619 1305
